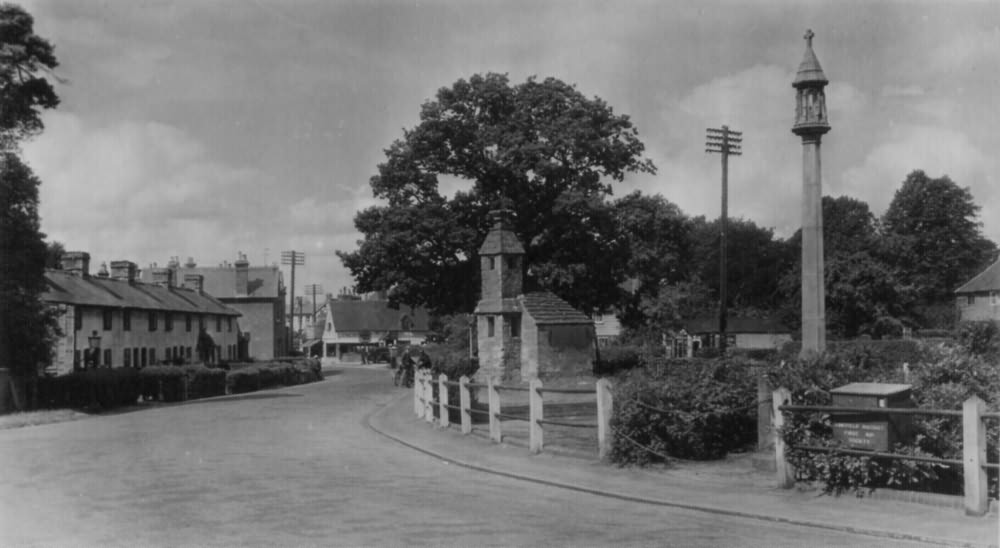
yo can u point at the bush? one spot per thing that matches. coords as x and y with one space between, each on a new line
615 359
248 377
702 410
162 382
106 388
980 338
204 382
943 378
453 363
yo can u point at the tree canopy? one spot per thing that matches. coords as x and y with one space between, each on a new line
25 61
540 148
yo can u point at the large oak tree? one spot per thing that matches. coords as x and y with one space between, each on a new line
540 148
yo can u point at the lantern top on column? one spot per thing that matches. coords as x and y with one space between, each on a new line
810 73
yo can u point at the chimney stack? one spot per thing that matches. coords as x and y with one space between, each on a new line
103 272
242 276
194 282
76 263
163 277
190 263
123 270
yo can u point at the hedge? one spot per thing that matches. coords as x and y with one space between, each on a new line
105 388
695 409
249 377
163 383
615 359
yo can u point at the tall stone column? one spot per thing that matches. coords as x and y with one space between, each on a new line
811 124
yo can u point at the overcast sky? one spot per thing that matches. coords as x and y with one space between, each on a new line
200 129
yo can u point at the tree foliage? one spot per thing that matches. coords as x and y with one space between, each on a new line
28 325
542 149
933 235
25 60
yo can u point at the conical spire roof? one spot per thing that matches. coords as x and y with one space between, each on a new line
809 70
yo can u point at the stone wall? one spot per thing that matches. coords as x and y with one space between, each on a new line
565 351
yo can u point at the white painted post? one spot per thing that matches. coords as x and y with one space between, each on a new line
605 405
428 397
494 397
786 472
535 415
418 393
443 418
974 455
465 402
906 372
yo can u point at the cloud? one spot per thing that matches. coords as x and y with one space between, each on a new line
937 151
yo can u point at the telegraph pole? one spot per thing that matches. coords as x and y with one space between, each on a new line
725 142
293 258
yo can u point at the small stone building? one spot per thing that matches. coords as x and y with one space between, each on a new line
979 298
525 335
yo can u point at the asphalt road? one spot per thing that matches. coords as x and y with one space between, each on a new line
299 467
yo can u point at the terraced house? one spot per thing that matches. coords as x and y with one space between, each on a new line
118 321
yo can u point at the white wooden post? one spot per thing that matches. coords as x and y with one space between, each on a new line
906 372
465 401
428 397
605 405
443 418
974 455
494 397
535 415
418 394
786 472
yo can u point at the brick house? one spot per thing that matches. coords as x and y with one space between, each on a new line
979 298
345 327
134 324
525 335
256 292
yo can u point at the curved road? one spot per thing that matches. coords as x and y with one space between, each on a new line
298 467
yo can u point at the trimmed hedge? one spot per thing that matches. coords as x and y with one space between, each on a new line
249 377
616 359
455 363
204 382
163 383
104 388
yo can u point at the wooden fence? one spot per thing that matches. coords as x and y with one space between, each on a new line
424 405
974 463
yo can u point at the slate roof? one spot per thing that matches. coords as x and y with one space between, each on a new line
220 281
66 288
546 308
710 324
501 241
987 280
374 316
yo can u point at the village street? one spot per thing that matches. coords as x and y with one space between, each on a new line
299 467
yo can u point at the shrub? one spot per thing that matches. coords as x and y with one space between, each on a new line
454 363
980 338
204 382
703 410
164 382
243 380
105 388
615 359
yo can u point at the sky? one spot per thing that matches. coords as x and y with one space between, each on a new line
205 129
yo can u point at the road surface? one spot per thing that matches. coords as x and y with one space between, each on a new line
299 467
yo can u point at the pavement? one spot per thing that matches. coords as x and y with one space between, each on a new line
729 488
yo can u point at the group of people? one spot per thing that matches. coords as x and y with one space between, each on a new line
407 364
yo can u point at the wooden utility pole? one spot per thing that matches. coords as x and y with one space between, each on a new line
725 142
293 258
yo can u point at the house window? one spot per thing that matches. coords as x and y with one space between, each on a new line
152 356
107 319
78 318
970 300
126 320
152 320
127 357
229 324
135 357
201 323
168 322
493 263
107 357
490 324
512 262
187 323
169 354
218 324
189 353
76 358
144 358
515 326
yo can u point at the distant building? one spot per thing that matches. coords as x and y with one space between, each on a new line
257 292
607 328
525 335
979 298
134 324
347 327
749 333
